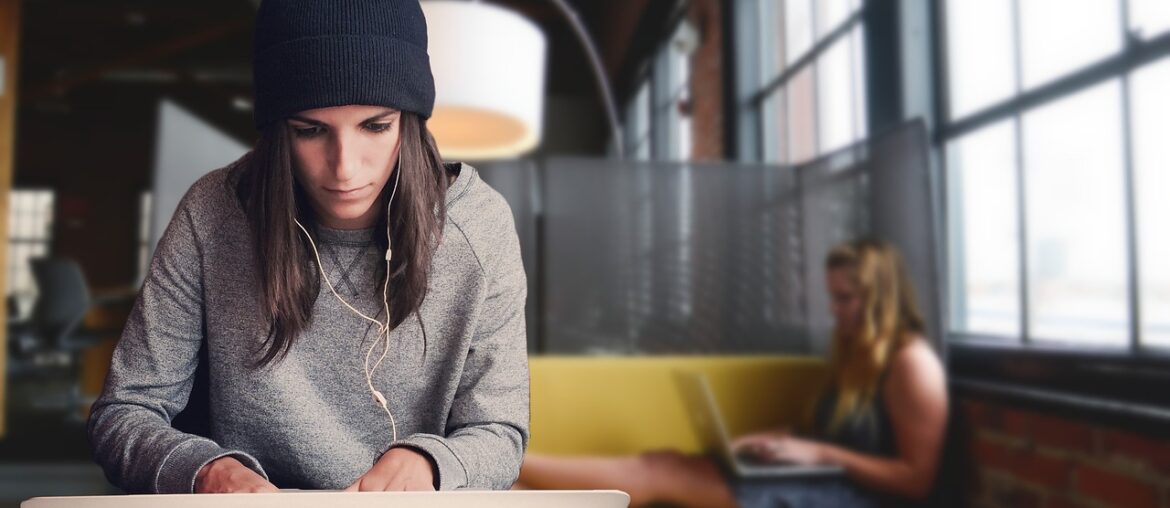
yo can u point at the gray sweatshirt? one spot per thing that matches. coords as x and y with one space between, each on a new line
310 421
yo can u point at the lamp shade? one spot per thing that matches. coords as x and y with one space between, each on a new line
489 69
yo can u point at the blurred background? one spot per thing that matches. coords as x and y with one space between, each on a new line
678 170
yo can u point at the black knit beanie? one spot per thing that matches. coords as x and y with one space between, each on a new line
319 53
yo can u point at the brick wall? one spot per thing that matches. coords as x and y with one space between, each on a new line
1024 458
707 81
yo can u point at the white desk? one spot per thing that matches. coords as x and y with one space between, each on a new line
330 499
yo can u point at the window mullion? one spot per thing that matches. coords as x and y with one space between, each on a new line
1021 184
1131 243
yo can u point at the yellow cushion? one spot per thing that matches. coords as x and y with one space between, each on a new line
626 405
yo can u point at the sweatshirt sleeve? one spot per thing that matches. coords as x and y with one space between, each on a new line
487 430
151 375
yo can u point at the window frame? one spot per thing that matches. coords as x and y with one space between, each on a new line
757 96
1108 384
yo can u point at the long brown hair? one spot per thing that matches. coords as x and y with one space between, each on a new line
890 320
267 188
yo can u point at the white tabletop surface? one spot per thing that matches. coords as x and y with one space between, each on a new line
334 499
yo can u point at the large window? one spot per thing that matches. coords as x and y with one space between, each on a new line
30 226
637 131
1057 169
1150 96
811 90
658 116
672 82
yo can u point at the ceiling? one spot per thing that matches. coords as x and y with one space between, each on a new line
199 53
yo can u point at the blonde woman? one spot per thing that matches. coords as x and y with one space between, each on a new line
881 416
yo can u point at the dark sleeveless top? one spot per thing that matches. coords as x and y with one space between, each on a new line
867 430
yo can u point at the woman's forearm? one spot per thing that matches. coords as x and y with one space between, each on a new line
890 475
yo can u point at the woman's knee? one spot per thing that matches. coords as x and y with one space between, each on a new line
673 476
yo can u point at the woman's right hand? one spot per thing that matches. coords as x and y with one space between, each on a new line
756 444
226 475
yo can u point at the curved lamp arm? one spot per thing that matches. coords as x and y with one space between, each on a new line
598 72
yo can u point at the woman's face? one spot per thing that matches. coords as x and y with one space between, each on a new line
344 156
845 300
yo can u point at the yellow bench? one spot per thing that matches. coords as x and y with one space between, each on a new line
628 405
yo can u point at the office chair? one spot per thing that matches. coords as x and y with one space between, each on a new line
52 338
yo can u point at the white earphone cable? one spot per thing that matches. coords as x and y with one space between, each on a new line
383 328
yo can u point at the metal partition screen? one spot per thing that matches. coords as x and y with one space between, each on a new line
629 257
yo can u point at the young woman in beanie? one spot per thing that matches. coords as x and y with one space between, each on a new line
357 303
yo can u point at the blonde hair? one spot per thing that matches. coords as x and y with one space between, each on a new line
890 319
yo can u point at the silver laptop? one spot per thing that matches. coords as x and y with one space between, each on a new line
334 499
700 404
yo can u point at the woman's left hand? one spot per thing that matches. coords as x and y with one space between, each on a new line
397 469
791 450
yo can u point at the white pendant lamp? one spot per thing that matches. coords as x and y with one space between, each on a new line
489 68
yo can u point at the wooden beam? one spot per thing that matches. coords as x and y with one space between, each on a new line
10 52
151 54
